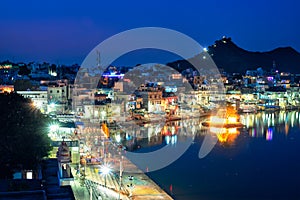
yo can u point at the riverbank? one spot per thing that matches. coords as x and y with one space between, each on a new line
139 187
135 184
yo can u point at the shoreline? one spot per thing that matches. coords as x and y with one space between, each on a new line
152 189
206 114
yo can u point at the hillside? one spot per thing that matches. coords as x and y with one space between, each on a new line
231 58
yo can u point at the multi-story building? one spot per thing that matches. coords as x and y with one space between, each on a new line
57 92
135 102
151 93
152 99
170 103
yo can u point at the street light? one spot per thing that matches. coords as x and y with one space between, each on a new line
52 105
105 170
54 127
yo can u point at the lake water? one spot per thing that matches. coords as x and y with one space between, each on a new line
259 161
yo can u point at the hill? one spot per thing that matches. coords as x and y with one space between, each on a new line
231 58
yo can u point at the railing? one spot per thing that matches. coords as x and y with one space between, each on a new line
93 189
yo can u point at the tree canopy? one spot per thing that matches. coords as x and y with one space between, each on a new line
23 70
23 85
23 134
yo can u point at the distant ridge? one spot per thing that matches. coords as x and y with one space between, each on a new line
231 58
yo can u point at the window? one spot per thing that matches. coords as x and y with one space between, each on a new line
29 175
57 91
50 91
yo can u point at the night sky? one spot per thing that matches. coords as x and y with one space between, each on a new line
65 32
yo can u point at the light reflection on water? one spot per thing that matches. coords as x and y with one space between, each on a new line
262 125
258 161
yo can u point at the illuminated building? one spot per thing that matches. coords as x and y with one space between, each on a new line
6 88
39 98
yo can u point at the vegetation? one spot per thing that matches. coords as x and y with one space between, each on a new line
23 70
23 85
23 135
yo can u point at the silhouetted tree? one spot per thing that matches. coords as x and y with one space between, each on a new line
23 85
23 134
23 70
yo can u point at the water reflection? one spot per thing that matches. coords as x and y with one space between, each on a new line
262 156
261 125
225 135
265 124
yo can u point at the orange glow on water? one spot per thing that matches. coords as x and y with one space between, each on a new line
225 135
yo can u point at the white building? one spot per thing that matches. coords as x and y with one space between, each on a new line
57 98
39 98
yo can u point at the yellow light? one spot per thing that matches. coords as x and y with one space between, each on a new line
223 137
7 89
232 130
232 120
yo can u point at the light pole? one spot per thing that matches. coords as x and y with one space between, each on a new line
105 170
121 172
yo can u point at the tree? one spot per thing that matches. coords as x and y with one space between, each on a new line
23 134
23 85
23 70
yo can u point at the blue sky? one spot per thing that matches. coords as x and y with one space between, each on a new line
66 31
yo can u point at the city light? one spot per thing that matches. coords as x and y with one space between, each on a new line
37 104
52 105
105 169
118 138
217 130
217 120
228 116
231 120
269 134
54 127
